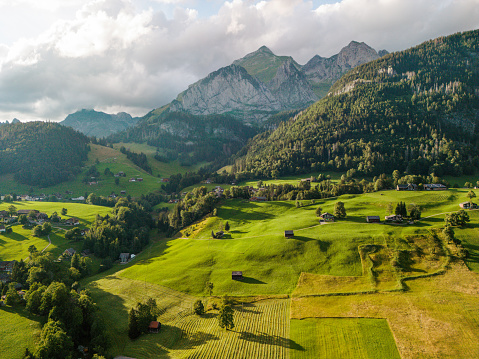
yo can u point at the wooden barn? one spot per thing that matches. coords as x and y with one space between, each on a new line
289 234
327 217
373 219
237 275
154 327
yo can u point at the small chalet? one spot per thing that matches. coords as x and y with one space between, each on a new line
373 219
7 266
139 179
259 199
326 217
237 275
69 252
165 180
121 174
124 257
123 192
132 180
81 198
154 327
219 235
42 216
2 228
435 187
4 214
393 218
407 187
468 205
289 234
26 211
72 221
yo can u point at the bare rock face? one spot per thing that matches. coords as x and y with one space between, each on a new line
230 89
320 69
262 83
291 87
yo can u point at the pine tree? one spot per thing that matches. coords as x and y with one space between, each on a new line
133 330
225 317
227 226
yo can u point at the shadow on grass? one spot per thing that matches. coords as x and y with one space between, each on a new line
250 280
265 338
24 313
173 337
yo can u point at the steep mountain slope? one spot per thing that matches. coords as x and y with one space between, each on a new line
415 111
41 153
191 138
323 72
98 124
261 84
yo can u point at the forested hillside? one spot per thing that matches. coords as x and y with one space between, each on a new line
191 138
40 153
414 111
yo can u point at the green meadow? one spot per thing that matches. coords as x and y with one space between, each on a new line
272 263
14 246
105 157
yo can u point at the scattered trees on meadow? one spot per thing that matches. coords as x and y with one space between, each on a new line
199 307
225 317
139 318
339 210
459 218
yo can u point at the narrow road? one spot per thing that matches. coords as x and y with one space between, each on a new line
43 250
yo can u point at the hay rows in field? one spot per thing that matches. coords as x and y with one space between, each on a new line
261 331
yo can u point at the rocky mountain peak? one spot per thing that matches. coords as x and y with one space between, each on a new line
356 53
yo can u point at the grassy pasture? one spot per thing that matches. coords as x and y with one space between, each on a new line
116 161
272 263
19 330
342 338
15 245
436 318
261 328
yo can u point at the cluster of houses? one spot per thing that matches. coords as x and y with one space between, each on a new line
120 174
34 217
427 187
135 179
468 205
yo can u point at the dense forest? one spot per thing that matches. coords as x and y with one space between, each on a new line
415 111
40 153
189 138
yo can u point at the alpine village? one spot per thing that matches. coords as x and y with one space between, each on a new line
272 210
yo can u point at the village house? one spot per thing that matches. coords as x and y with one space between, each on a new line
124 257
69 252
165 180
41 217
139 179
393 218
72 221
407 187
2 228
326 217
81 198
373 219
435 187
132 180
4 214
258 199
7 266
289 234
468 205
122 192
26 211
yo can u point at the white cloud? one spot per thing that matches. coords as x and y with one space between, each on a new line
113 54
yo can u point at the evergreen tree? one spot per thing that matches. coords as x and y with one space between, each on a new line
339 210
225 317
133 330
198 307
227 226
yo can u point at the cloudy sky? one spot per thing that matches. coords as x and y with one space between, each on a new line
59 56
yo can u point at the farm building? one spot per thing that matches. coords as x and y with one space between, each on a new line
4 214
468 205
393 218
407 187
259 199
72 221
69 252
434 187
2 228
326 217
26 211
237 275
154 327
124 257
7 266
373 219
289 234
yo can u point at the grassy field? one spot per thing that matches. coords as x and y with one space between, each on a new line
271 263
15 245
261 327
116 161
338 338
19 330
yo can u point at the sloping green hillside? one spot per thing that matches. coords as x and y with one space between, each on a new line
414 111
